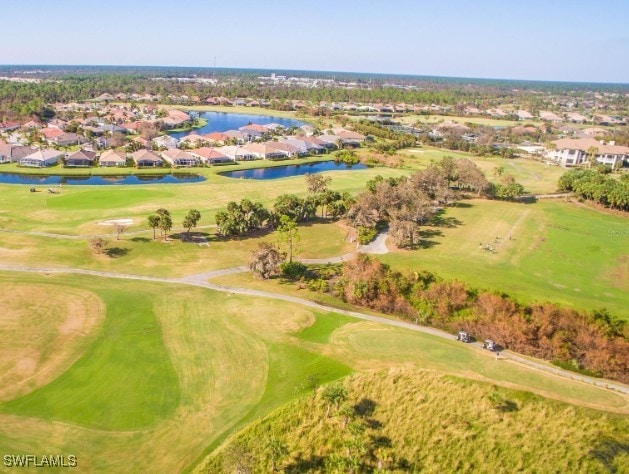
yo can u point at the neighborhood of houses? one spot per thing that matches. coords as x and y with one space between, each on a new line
250 142
107 134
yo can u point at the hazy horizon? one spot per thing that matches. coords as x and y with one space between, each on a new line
314 71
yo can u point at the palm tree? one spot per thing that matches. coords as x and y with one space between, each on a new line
592 152
154 223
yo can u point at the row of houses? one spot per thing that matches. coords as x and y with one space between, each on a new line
286 147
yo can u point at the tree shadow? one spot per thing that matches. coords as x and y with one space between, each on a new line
365 407
140 239
446 221
116 252
462 205
507 406
607 450
193 237
311 463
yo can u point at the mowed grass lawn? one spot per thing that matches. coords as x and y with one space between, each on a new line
172 370
140 254
558 252
77 210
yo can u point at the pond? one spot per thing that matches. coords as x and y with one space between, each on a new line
286 171
44 180
221 122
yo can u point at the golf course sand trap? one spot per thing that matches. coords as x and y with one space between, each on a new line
117 222
45 329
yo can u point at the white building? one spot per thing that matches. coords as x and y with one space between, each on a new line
576 151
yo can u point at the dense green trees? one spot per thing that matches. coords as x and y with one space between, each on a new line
598 187
241 219
298 209
191 220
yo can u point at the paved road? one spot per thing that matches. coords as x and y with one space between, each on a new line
85 237
200 280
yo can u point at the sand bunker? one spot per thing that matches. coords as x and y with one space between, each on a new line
117 222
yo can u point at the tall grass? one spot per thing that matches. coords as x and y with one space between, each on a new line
404 420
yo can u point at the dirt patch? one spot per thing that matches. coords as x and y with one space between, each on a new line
45 330
619 275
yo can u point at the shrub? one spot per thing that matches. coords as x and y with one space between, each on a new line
366 234
293 270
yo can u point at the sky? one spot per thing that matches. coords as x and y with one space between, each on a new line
557 40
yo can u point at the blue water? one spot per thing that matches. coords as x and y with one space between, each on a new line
221 122
43 180
291 170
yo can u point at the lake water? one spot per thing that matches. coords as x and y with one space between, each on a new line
286 171
44 180
221 122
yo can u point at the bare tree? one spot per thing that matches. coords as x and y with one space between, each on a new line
265 261
97 244
119 228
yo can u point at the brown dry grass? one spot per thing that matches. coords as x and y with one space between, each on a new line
45 329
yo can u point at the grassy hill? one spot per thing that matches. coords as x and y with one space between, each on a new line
409 420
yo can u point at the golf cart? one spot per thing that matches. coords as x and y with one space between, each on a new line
490 345
463 336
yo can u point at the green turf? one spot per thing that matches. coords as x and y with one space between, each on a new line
294 371
174 369
125 380
559 252
105 199
323 327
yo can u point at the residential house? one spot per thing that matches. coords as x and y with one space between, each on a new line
237 135
237 153
165 141
80 159
594 132
349 137
523 115
576 151
576 117
193 140
211 156
328 141
216 137
308 130
304 146
285 148
12 153
67 139
57 123
264 150
180 158
112 158
41 158
9 126
146 159
550 117
252 133
144 143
